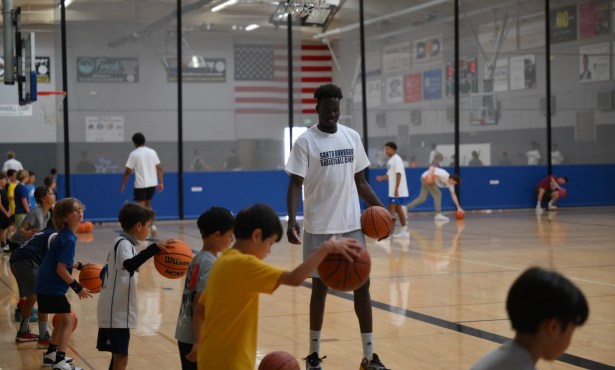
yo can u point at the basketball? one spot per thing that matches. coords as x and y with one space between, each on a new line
81 228
174 263
430 179
55 320
337 273
460 215
279 360
88 226
562 193
89 277
377 222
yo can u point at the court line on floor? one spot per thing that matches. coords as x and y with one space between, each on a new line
463 329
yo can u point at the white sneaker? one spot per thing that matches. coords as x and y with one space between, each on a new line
551 206
50 359
403 231
539 210
5 248
440 217
63 365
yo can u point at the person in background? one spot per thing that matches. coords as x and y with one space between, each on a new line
11 163
556 156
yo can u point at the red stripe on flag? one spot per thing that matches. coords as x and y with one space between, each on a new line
320 58
316 69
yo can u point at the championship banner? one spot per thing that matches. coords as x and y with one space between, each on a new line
103 69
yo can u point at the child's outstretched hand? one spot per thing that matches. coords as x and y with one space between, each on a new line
163 245
84 293
347 247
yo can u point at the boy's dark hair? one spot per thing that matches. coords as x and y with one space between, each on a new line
259 216
53 172
565 179
48 181
539 295
39 193
2 175
62 209
391 145
10 172
456 178
215 219
132 214
328 91
138 139
31 173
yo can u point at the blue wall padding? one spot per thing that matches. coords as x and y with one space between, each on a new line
482 188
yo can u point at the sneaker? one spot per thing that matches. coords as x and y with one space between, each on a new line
25 336
374 364
6 249
401 233
313 362
64 365
440 217
551 206
43 342
49 359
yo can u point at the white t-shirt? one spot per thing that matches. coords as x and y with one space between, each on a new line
533 156
509 356
143 162
441 178
395 166
557 157
117 302
328 163
12 164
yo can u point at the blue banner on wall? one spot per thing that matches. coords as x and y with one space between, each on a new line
432 84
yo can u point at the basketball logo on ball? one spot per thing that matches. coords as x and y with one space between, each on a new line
174 263
340 274
377 222
279 360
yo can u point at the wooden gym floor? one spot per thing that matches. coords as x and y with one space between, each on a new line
438 296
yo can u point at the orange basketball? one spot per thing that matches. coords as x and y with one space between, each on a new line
81 228
55 320
460 215
337 273
174 264
430 179
279 360
88 226
562 192
377 222
89 277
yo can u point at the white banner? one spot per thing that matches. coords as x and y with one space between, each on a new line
104 129
14 110
395 90
595 63
396 57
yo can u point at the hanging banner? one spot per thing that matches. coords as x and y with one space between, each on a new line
523 72
103 69
427 51
396 57
14 110
595 63
104 129
432 84
196 69
563 24
413 88
395 88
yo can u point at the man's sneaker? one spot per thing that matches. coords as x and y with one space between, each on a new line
6 249
440 217
64 365
25 336
50 358
551 206
313 362
403 231
374 364
43 342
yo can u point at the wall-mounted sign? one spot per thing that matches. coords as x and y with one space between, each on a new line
104 69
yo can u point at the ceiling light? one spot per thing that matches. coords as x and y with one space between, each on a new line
252 27
223 5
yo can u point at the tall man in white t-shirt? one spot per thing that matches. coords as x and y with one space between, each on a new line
148 172
328 161
431 181
398 187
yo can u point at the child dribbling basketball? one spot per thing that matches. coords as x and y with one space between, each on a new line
54 278
216 228
117 304
238 277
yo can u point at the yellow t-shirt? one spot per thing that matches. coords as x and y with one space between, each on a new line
11 193
231 310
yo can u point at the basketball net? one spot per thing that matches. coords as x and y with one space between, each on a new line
304 8
51 103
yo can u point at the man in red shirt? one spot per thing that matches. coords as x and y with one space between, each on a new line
551 186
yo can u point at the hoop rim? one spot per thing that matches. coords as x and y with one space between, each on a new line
47 93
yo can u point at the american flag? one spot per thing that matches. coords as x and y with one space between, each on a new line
261 78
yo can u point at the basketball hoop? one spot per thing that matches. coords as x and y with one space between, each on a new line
304 8
51 105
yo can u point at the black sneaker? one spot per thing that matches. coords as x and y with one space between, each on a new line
313 362
374 364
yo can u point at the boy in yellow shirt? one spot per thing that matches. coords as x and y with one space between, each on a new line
237 278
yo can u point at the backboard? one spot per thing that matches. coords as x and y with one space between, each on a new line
26 71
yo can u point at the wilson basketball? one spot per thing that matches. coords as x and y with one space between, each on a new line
55 320
174 263
377 222
340 274
89 277
562 193
460 215
279 360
